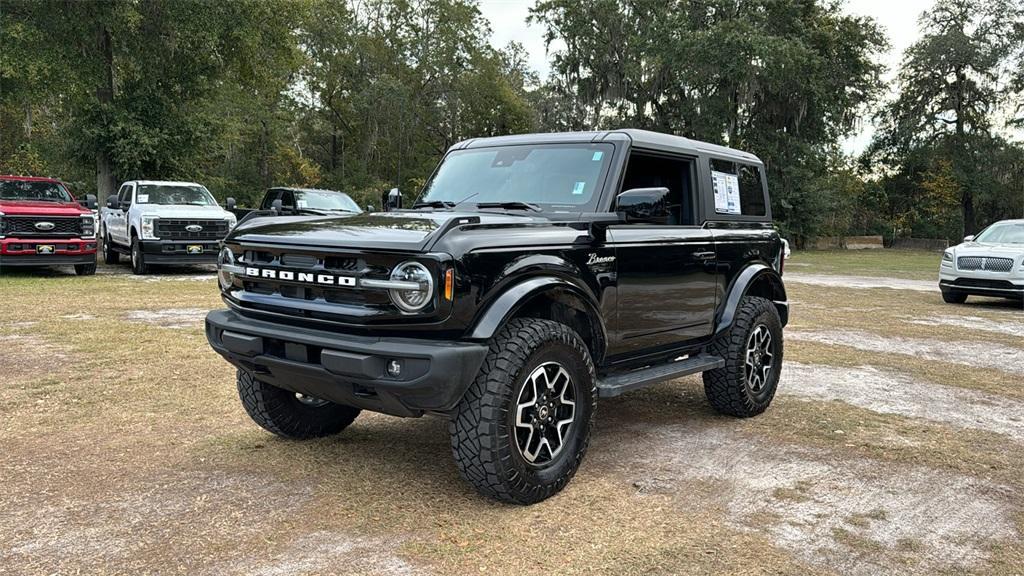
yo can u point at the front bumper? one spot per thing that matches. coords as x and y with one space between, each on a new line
66 251
981 283
346 368
177 251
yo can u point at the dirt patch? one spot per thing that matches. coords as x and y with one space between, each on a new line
973 323
324 552
864 282
169 317
978 354
891 393
24 357
177 278
851 514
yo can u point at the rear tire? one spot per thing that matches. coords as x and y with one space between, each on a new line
139 265
752 349
283 413
85 269
523 426
110 256
951 297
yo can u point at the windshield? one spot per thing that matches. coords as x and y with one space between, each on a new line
176 194
324 200
1009 233
555 177
33 190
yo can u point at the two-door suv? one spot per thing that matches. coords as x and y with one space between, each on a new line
534 274
41 224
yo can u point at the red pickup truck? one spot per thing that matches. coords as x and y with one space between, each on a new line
41 224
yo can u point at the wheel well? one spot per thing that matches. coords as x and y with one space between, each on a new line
769 286
570 309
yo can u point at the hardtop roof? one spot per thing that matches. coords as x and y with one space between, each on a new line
644 139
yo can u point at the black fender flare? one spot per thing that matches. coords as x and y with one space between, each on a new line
753 275
512 299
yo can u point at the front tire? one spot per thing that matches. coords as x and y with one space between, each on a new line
291 415
110 256
951 297
523 426
85 269
139 265
752 349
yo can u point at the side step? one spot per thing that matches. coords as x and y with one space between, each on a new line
616 383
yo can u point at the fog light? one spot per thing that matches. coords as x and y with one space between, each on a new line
394 368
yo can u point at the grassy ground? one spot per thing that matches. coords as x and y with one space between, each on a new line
123 449
910 264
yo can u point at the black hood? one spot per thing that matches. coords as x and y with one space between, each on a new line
405 230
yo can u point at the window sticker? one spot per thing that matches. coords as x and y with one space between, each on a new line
143 198
301 204
597 156
578 188
727 192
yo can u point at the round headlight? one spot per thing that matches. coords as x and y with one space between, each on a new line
225 277
412 300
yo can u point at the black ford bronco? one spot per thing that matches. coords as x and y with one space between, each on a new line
533 275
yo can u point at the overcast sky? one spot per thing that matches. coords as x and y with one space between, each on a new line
897 17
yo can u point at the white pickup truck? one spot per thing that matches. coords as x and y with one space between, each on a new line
157 222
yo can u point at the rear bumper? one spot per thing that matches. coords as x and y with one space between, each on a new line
177 251
66 251
349 369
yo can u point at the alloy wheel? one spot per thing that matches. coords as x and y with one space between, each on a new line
759 359
545 412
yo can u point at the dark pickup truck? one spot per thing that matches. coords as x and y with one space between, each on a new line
534 274
283 201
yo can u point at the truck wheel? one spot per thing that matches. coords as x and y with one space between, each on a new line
110 256
521 430
85 269
951 297
752 349
289 414
138 258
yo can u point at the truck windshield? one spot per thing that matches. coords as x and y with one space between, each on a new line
1008 233
555 177
324 200
33 190
176 194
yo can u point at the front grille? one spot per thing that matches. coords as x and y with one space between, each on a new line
26 226
984 263
314 263
982 283
178 229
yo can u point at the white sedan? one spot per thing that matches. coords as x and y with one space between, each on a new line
989 264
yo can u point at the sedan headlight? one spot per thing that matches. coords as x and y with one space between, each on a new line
149 227
412 299
947 256
88 226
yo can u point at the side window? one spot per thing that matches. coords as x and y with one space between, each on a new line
126 194
738 188
288 199
648 171
268 199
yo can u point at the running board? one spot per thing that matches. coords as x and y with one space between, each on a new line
615 384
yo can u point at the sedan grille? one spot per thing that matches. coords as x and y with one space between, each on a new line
175 229
42 226
984 263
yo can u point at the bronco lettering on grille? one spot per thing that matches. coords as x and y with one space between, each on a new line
303 277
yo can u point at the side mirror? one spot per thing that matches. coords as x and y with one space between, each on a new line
90 201
644 205
969 238
126 204
230 203
392 200
276 206
112 202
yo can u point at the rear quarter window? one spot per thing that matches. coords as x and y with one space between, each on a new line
749 193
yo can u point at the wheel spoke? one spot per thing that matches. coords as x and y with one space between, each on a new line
545 411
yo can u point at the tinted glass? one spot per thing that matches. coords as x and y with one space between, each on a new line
33 190
174 194
554 177
749 188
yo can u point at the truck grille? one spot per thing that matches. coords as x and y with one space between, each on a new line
26 226
174 229
984 263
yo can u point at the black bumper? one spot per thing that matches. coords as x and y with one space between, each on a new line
994 288
349 369
177 251
7 261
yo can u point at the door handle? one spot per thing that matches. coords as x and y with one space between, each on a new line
704 255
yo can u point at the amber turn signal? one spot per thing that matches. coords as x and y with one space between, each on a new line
449 284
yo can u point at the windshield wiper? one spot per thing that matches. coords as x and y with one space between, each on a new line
510 205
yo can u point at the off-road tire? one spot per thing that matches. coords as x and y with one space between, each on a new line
482 429
110 256
139 265
85 269
951 297
726 388
279 411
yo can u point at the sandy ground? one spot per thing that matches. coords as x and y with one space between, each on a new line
843 281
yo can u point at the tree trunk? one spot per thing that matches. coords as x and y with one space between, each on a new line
105 182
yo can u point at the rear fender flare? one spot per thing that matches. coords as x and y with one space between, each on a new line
760 279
